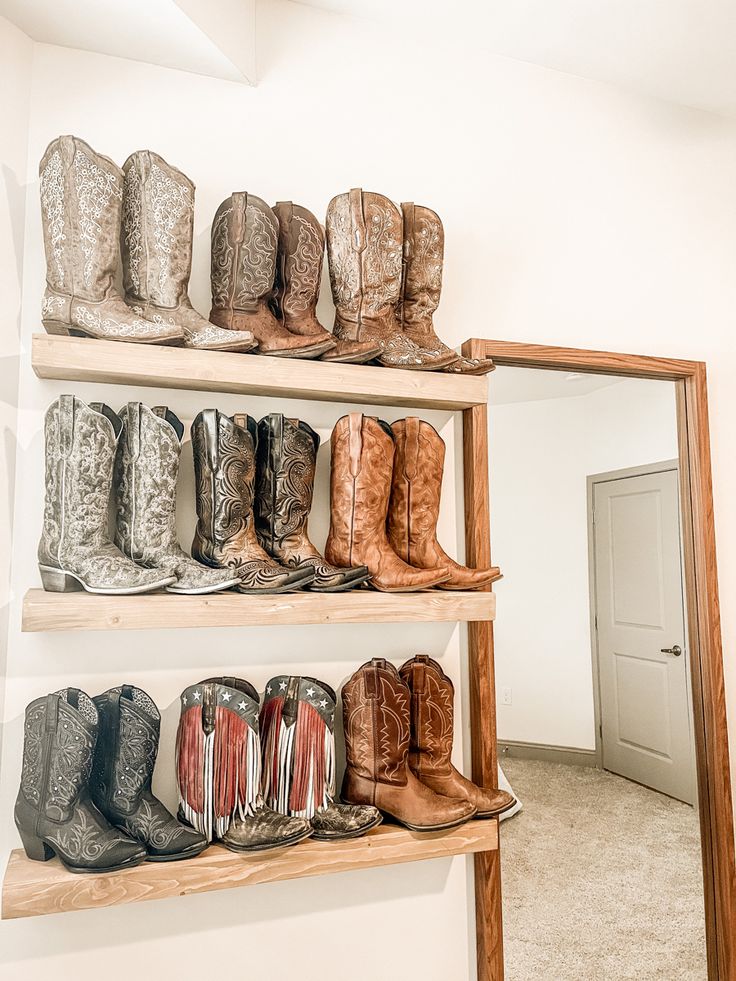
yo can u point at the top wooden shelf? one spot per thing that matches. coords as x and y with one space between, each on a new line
119 363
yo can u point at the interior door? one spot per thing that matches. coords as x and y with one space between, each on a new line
642 661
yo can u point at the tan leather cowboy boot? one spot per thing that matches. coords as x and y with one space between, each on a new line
360 485
296 288
424 247
376 722
430 752
244 240
414 507
364 237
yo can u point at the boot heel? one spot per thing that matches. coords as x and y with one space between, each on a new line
56 327
35 848
56 581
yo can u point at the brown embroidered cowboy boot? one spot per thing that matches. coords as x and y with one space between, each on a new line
296 288
376 714
364 243
414 507
286 463
432 714
244 242
298 740
360 486
421 283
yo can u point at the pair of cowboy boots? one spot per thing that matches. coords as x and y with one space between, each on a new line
266 272
85 789
257 783
93 454
254 489
97 217
385 487
398 743
386 276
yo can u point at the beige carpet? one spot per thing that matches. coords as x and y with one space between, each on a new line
601 880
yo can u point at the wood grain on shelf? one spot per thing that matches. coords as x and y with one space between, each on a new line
164 611
119 363
37 888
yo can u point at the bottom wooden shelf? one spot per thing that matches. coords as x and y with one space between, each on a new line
37 888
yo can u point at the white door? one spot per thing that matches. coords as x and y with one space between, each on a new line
642 662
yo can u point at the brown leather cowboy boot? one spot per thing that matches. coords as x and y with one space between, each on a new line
414 507
424 246
364 239
432 711
244 240
376 721
296 288
360 485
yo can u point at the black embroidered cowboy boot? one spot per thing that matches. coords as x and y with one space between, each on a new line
218 768
120 785
53 812
285 465
298 738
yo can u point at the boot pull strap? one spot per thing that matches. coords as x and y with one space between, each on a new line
133 436
372 679
408 213
66 424
291 702
419 675
411 450
52 712
357 220
240 207
209 707
355 427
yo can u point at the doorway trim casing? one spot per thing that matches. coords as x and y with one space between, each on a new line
704 633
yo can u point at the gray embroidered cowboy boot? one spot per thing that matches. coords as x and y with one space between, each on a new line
122 769
286 463
218 769
298 740
424 248
364 236
81 198
225 475
75 551
301 250
244 239
156 244
146 471
53 810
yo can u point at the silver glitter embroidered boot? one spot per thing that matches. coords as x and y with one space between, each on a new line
122 769
75 551
298 738
146 471
156 244
53 811
81 199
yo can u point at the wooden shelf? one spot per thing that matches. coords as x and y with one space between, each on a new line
37 888
85 611
119 363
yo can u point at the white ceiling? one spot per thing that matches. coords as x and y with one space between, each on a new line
533 384
683 51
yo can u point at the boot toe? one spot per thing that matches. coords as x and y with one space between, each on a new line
341 821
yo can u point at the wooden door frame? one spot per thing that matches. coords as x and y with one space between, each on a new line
704 629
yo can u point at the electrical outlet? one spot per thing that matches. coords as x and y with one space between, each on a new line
506 698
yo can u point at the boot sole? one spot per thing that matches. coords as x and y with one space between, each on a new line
285 842
342 588
203 590
179 856
312 351
337 836
433 827
480 585
58 329
354 359
484 815
62 581
290 587
405 589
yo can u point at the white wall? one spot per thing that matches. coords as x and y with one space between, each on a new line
542 453
574 214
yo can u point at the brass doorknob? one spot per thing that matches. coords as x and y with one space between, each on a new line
675 651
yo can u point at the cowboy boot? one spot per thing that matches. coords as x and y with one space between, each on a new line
244 243
75 551
218 768
156 244
364 248
285 464
298 741
414 507
146 471
53 811
301 250
81 197
376 718
225 475
122 769
360 486
430 750
421 283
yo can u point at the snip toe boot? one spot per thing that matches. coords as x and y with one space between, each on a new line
122 770
298 740
432 728
81 202
54 813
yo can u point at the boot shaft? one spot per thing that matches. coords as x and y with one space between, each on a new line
376 718
244 245
421 285
416 487
301 246
432 715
